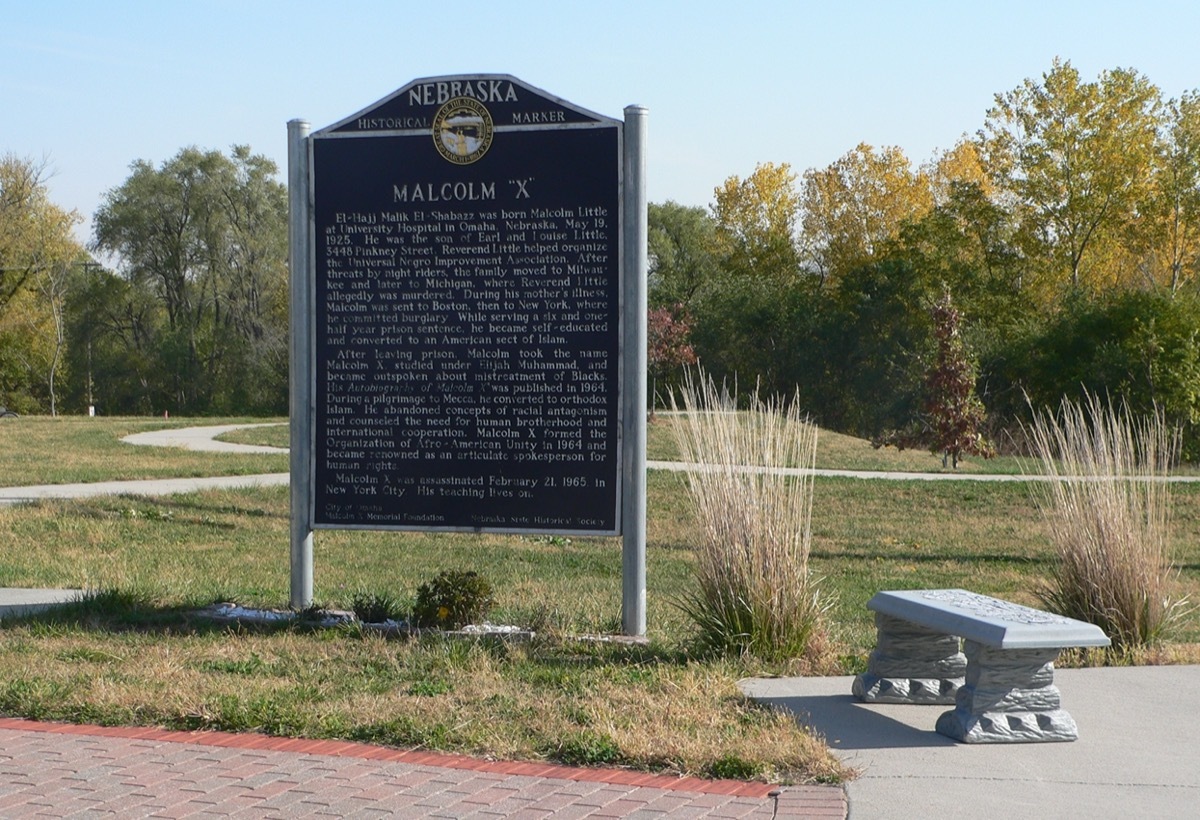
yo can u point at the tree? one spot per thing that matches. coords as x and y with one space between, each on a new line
962 165
1074 159
1141 347
667 344
37 251
1166 238
115 330
852 207
681 244
52 287
955 413
871 338
206 234
967 243
35 234
756 220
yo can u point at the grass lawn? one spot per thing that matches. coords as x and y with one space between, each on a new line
139 655
834 451
70 449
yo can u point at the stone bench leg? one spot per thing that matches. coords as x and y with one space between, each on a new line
911 664
1009 697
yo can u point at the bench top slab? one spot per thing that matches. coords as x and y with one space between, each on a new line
986 620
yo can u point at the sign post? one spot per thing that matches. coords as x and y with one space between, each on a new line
300 350
477 319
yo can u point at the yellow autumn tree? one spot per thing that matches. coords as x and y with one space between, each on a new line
961 165
756 220
37 253
856 204
35 234
1075 159
1165 240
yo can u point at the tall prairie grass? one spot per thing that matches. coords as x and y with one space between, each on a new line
1108 509
754 592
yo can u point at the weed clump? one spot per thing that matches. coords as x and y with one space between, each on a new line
1108 509
376 607
754 592
452 600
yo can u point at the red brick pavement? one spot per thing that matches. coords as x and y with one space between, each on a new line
62 770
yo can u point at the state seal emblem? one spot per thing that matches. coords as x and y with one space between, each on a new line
462 130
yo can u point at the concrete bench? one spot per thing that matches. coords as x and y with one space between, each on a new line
1002 681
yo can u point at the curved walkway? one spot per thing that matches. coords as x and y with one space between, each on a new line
203 438
188 438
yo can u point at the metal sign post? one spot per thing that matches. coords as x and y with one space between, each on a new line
300 379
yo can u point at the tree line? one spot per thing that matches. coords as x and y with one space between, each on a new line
1062 237
191 319
1065 234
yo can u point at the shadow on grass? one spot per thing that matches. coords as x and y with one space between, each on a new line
117 611
198 504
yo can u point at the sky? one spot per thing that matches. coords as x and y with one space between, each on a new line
90 87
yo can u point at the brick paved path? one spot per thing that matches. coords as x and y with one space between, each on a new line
57 770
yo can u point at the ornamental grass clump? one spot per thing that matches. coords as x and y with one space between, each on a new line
1108 508
754 593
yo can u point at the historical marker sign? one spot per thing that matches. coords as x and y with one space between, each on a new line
467 312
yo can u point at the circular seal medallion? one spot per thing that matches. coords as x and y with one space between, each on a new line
462 130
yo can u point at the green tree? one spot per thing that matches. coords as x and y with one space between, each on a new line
1137 347
206 234
37 252
681 246
967 242
871 340
1075 159
35 234
115 329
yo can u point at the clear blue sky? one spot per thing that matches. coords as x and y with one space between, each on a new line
93 86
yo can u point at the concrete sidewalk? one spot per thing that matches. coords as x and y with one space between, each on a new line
1135 756
17 602
203 439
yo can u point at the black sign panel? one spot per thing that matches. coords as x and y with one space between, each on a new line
467 312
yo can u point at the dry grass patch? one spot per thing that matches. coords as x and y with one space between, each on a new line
560 701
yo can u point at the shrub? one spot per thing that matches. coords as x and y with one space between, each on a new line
754 591
1108 511
453 599
1141 346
